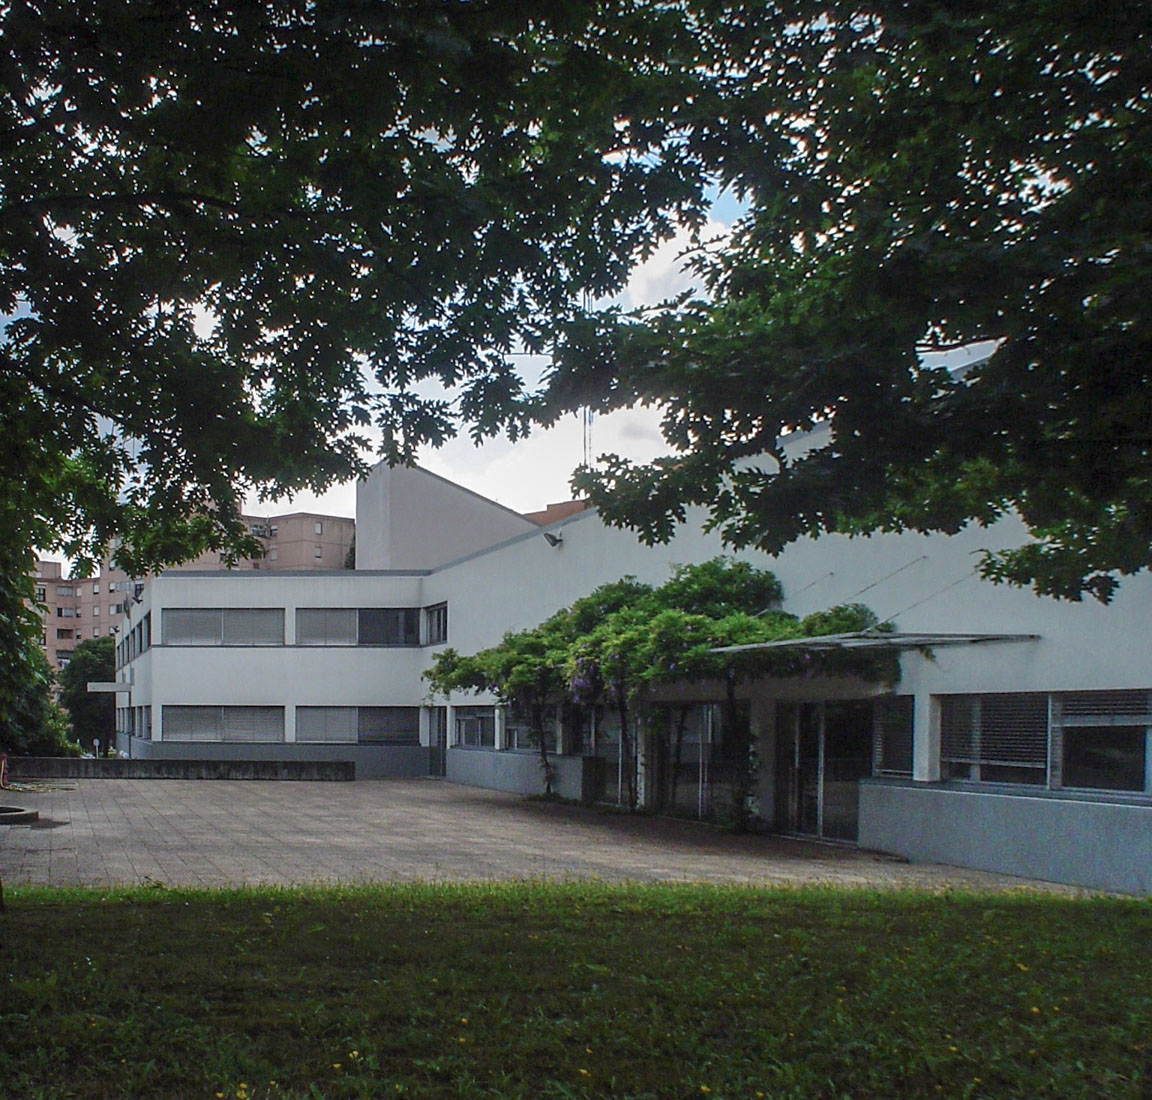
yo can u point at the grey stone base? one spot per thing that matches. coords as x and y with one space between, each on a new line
1094 841
48 767
371 761
519 772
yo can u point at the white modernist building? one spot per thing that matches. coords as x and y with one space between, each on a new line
1018 738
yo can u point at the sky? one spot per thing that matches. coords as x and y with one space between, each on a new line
534 472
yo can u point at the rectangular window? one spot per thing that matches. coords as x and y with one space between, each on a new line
326 724
1105 739
95 590
222 723
518 731
319 528
254 626
191 626
96 612
41 595
326 626
995 738
394 725
230 626
436 624
318 553
892 719
274 554
65 612
390 626
65 590
475 727
63 634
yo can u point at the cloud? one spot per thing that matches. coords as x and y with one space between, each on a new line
664 274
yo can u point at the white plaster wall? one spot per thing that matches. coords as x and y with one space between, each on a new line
919 582
287 675
409 518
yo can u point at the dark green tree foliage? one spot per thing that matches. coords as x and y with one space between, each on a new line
617 646
526 671
93 715
34 724
233 236
920 176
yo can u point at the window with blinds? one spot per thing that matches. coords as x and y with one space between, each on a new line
396 725
212 626
892 719
382 626
996 738
389 626
326 724
326 626
222 723
1105 740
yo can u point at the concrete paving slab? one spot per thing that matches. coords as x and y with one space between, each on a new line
104 832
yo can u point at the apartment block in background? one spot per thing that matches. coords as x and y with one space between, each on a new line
75 610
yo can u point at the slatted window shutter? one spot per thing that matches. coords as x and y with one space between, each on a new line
253 724
892 730
326 626
326 724
254 626
191 723
191 626
394 724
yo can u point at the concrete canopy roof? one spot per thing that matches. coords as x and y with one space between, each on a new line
877 640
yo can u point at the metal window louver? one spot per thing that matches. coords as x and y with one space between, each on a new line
252 724
892 730
190 723
1125 707
326 724
389 724
1009 730
191 625
254 626
326 626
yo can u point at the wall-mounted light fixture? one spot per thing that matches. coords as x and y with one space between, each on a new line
554 540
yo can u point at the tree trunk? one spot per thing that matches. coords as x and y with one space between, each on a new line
626 761
677 753
743 779
547 768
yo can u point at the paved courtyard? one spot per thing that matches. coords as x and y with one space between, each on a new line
204 833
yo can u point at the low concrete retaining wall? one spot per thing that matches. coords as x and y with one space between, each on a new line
518 772
52 767
1091 841
371 761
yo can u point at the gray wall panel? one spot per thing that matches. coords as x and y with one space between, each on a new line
517 772
372 761
1092 842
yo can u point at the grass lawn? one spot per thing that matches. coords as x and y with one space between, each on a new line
572 990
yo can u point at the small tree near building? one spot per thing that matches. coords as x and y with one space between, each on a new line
34 724
93 714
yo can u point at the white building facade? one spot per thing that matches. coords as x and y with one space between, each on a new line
1018 738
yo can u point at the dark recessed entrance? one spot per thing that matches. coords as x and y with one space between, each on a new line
823 750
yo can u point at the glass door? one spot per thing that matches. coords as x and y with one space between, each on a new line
823 750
